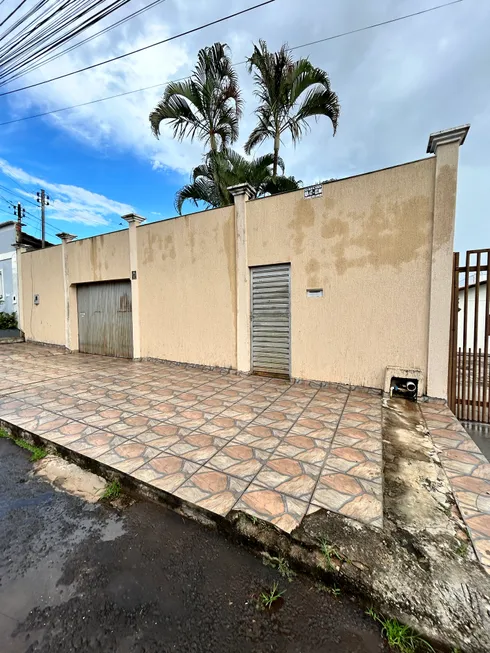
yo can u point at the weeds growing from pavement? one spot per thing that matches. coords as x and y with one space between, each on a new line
400 637
279 563
267 598
113 491
37 452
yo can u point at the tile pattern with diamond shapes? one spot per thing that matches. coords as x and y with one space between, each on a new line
468 472
274 449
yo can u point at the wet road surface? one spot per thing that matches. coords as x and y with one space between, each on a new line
87 578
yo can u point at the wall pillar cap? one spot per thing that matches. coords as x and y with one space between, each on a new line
242 189
65 237
446 136
133 218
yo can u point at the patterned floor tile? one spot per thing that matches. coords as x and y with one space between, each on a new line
289 476
313 427
166 472
212 490
349 496
468 472
239 460
132 425
355 462
198 447
261 437
190 418
303 448
96 444
162 435
241 413
275 420
283 511
223 427
287 406
211 405
128 457
70 432
104 416
205 436
325 415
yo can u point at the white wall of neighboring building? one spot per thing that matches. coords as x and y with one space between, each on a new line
470 317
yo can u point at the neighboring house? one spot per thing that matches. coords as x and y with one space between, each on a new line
8 264
470 316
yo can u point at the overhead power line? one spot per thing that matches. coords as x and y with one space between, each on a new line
57 55
9 190
148 88
43 28
146 47
385 22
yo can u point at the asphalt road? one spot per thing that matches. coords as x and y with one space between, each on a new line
79 577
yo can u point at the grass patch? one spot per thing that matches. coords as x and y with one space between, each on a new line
334 590
113 491
37 452
462 550
279 563
331 554
267 598
399 636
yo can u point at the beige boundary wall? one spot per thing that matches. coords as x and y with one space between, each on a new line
379 245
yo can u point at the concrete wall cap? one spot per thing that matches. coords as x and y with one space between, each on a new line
455 134
242 189
65 237
133 217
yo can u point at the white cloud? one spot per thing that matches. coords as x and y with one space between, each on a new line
71 203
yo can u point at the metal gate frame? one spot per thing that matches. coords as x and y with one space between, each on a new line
468 374
271 374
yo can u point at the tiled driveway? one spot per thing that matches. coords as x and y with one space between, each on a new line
273 449
468 472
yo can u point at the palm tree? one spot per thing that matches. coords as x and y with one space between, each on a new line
206 106
220 170
289 92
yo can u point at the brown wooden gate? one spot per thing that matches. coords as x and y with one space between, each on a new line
468 391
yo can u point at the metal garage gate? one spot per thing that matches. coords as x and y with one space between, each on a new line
271 320
105 318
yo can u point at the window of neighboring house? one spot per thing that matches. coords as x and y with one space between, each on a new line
2 298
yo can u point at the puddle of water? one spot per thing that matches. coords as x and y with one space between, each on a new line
112 530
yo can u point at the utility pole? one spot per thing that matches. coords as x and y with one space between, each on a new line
20 212
43 199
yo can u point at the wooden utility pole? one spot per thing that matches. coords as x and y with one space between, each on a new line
43 199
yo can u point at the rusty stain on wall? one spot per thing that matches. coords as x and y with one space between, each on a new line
304 219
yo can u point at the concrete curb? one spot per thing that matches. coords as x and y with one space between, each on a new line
420 581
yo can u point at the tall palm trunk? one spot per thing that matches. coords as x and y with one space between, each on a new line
277 144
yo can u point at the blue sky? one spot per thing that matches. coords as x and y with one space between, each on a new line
396 84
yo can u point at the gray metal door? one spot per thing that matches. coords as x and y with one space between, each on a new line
105 323
271 320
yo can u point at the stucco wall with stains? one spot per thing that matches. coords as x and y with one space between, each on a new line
188 288
102 258
42 274
367 242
